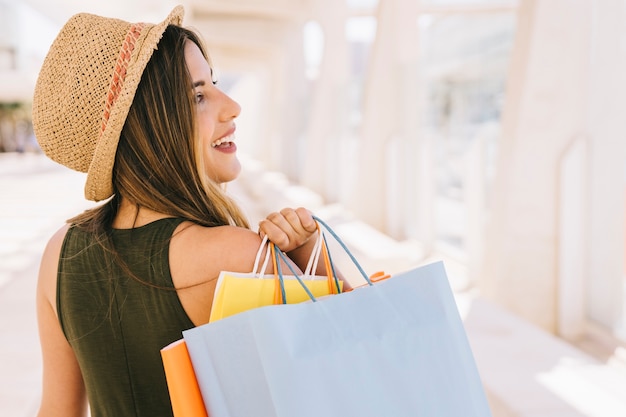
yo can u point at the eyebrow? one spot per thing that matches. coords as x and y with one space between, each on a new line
198 84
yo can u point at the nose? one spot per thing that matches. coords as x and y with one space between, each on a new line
230 108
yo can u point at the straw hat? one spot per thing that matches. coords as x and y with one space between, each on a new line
85 89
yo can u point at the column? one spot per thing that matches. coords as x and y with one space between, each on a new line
546 108
390 114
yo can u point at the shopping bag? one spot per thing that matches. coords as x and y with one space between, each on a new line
396 348
236 292
183 387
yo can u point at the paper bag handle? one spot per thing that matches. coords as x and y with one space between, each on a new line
257 259
345 248
320 248
330 266
278 253
280 296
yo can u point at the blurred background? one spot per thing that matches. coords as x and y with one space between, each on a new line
490 134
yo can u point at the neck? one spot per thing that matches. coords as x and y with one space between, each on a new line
129 215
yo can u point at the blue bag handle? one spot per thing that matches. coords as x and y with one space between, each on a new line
345 248
279 254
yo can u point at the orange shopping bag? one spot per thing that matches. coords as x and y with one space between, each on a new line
181 381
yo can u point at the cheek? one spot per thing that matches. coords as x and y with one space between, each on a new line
205 132
205 123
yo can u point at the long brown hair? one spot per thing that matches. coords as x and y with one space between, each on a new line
158 163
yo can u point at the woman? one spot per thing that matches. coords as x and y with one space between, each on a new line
136 107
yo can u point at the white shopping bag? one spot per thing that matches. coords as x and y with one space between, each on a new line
397 348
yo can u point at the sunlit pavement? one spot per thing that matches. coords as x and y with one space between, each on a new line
526 371
36 197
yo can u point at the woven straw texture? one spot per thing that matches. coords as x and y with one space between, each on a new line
85 89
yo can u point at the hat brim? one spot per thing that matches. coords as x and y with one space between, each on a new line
99 184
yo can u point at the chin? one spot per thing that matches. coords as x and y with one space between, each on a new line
236 171
231 176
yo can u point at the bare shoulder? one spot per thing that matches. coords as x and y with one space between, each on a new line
47 281
198 255
56 241
205 251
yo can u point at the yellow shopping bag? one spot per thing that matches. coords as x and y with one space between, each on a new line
238 292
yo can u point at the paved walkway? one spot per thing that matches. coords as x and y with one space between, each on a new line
36 197
527 372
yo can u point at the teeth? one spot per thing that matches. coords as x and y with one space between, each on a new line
229 138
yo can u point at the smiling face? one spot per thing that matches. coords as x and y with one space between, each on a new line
215 114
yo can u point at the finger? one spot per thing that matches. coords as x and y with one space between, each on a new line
280 221
274 233
292 217
303 224
290 223
271 226
306 219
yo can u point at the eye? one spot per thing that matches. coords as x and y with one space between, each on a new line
199 97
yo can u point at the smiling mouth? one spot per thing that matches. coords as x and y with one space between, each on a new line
224 142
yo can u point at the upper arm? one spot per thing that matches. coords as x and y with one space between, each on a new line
63 389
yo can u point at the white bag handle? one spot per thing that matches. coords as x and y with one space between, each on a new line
255 268
311 266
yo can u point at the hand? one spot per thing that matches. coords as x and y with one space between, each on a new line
288 229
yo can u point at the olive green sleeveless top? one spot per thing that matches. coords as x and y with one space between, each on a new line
116 324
